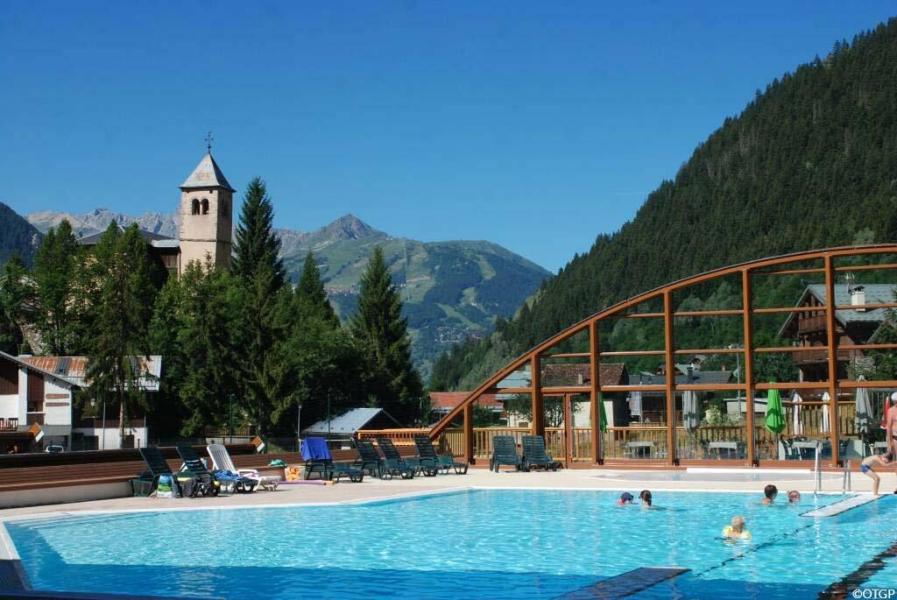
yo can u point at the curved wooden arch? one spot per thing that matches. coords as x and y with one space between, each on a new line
745 270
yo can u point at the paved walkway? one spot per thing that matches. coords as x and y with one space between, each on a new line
371 488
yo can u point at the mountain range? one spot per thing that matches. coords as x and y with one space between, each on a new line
451 290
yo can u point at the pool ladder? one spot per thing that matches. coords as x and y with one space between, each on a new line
846 481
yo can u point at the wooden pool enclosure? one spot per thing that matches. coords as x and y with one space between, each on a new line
830 396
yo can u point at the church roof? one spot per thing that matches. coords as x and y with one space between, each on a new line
207 174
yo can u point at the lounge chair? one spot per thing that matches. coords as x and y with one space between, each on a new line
445 462
157 466
393 461
208 485
245 480
535 456
318 459
504 452
370 460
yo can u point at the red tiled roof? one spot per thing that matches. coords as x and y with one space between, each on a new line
580 374
449 400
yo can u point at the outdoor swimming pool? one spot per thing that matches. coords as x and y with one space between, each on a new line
477 544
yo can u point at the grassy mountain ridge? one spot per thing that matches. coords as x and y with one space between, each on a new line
811 162
452 290
17 236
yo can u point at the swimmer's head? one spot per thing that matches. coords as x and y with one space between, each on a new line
793 496
738 523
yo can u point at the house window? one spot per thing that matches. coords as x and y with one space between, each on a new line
194 209
205 206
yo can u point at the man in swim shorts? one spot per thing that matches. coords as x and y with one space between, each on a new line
870 463
891 426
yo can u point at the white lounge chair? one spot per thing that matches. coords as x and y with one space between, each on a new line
222 460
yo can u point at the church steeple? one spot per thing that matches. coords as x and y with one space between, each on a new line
206 215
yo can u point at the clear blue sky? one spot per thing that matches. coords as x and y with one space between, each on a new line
533 125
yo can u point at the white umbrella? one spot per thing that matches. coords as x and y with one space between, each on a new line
797 427
826 400
863 418
635 404
690 418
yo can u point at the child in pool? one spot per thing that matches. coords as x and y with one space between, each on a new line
736 530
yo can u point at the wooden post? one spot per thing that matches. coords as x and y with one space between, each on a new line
597 456
568 430
670 367
747 321
468 434
832 356
538 402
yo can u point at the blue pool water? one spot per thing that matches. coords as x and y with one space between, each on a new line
473 544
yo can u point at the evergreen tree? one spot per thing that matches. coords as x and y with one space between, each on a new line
167 412
16 305
382 334
256 245
207 363
122 313
54 275
269 370
311 299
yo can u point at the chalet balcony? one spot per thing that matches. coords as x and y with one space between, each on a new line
812 324
811 356
9 423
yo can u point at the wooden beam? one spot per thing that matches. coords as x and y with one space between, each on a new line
568 430
537 399
748 371
870 267
832 356
468 434
670 367
728 312
787 309
594 393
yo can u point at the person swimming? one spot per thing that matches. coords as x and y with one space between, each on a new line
736 530
645 496
793 497
770 492
625 498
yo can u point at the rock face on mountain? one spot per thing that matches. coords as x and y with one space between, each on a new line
452 290
17 236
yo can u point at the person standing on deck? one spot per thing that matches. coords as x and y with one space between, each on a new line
891 426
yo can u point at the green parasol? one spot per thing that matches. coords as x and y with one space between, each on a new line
775 412
602 415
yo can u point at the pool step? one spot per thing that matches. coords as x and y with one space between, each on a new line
841 506
625 584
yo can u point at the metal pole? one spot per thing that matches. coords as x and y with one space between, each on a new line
103 426
298 422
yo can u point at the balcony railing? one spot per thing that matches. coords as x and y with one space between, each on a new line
9 423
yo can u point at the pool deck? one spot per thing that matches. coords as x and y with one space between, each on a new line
375 489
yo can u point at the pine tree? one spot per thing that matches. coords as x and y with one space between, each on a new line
122 313
16 305
269 370
382 334
311 299
168 412
54 274
209 362
256 245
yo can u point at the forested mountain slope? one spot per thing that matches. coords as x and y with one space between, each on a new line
810 163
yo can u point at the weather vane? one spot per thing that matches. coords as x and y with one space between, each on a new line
209 140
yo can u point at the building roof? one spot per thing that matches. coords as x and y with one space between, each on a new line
207 174
37 369
349 422
876 293
697 377
580 374
73 369
153 239
446 401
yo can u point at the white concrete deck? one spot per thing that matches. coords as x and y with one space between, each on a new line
720 480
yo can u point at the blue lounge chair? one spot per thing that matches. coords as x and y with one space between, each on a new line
445 462
394 463
370 460
318 459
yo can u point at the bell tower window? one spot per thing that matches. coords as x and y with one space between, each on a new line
205 206
194 208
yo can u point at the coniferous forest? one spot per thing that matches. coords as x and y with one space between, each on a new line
241 347
811 162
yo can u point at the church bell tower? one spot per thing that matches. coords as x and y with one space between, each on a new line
206 227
